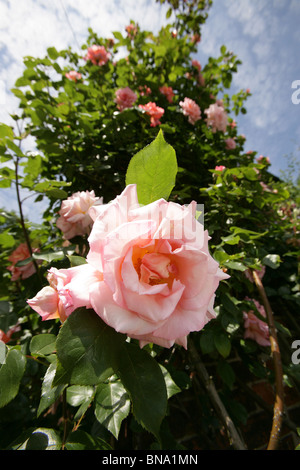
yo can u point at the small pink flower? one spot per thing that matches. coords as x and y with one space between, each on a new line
21 253
255 328
125 98
196 38
260 272
65 293
6 337
196 63
74 217
98 55
154 111
262 159
190 109
73 75
220 168
230 143
216 117
131 30
145 90
168 92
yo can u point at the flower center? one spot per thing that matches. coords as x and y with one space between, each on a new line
154 268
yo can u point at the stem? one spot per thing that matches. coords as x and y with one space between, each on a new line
22 220
65 417
279 402
208 383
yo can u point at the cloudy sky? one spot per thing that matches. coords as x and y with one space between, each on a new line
264 34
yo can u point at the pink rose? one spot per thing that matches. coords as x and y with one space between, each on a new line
196 63
220 167
154 111
131 30
255 328
190 109
20 254
74 217
260 272
230 143
6 337
145 90
58 300
159 280
216 117
73 75
98 55
125 98
262 159
168 92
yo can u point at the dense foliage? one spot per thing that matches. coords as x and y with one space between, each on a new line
80 384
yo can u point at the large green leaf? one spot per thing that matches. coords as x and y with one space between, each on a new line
112 405
49 393
153 170
11 374
87 348
143 379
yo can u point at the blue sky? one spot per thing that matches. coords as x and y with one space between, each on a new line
264 34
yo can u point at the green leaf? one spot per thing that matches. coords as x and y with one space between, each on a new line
81 440
223 344
82 396
87 348
52 53
172 388
153 170
226 373
11 374
42 344
143 379
49 393
112 405
273 261
38 439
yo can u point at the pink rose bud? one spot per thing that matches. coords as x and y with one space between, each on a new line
190 109
196 63
154 111
21 254
255 328
74 216
168 92
220 168
230 144
125 98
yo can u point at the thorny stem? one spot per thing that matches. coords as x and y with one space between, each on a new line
208 383
279 399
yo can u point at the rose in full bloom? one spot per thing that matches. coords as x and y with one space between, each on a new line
149 273
98 55
190 109
168 92
74 218
154 111
159 280
125 98
216 117
21 253
255 328
73 75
